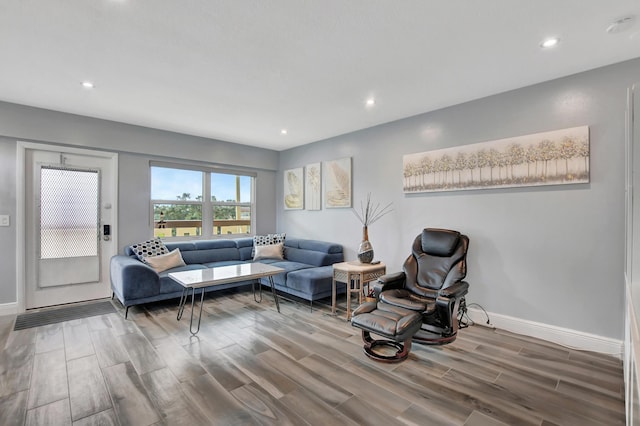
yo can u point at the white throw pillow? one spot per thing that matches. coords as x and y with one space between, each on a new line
271 251
163 262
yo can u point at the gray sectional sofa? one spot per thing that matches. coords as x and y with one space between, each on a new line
307 264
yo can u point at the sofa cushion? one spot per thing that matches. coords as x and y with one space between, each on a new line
311 280
288 267
163 262
154 247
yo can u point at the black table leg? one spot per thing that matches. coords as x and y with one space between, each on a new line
183 300
253 287
275 295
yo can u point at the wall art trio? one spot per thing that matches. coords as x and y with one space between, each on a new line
303 188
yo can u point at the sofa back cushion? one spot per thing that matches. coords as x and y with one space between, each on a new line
206 251
245 248
313 252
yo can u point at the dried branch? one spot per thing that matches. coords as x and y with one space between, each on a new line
369 214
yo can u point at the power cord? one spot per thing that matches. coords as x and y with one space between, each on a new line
464 320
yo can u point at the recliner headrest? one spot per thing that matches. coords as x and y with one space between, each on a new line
439 242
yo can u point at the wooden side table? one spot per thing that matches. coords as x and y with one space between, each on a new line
355 275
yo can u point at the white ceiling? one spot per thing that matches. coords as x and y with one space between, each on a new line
242 70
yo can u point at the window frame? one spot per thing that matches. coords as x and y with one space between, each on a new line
207 205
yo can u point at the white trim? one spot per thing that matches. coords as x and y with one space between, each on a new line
8 308
21 149
21 152
562 336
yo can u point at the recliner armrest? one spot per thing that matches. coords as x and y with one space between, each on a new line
391 281
456 290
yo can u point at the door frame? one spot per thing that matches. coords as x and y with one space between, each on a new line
21 200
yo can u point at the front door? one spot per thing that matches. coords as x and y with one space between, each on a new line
69 212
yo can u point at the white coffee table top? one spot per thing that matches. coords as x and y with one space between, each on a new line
224 274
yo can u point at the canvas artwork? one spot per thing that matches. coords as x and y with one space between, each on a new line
550 158
312 184
293 189
337 183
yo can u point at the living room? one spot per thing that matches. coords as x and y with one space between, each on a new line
542 261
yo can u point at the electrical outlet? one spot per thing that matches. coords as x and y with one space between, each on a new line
4 220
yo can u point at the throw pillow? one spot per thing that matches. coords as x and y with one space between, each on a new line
163 262
277 238
149 248
265 240
271 251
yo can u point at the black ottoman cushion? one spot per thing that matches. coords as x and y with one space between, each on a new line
392 322
397 325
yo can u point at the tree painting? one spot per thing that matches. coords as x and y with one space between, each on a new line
550 158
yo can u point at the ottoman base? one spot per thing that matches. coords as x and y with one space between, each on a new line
402 349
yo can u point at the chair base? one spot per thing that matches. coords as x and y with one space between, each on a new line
426 337
402 349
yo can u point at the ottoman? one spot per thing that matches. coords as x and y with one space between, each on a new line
396 324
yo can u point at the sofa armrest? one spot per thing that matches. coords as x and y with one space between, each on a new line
456 290
390 281
132 279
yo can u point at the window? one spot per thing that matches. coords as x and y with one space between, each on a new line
231 200
196 202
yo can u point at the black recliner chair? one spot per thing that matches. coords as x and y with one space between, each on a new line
432 283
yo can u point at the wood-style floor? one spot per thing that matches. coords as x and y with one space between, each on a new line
251 365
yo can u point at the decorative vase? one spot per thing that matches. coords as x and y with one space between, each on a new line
365 250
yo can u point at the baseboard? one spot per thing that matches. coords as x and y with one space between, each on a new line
8 308
562 336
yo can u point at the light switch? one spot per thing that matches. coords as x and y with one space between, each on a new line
4 220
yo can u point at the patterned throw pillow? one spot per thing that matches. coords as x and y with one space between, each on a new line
277 238
266 240
149 248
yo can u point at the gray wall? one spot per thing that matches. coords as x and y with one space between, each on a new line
553 254
8 234
136 147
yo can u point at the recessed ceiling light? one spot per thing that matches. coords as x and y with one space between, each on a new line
370 102
550 42
283 131
87 85
621 24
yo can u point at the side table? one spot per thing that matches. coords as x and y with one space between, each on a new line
355 275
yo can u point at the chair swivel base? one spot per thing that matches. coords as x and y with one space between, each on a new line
426 337
402 349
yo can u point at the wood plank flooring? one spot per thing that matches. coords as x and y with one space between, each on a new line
251 365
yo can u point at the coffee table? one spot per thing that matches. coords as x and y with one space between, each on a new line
211 277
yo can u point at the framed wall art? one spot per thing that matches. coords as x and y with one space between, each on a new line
293 189
337 183
312 186
551 158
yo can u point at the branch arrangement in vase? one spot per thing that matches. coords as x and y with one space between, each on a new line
370 213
